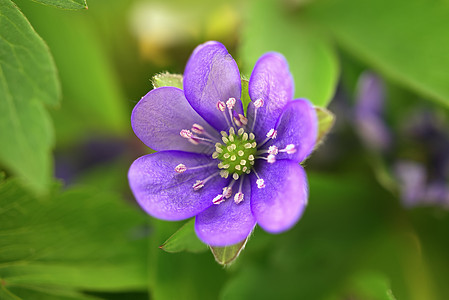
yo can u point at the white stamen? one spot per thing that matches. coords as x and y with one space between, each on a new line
233 158
197 128
198 184
230 103
238 197
238 167
259 103
223 133
272 134
260 183
227 192
237 122
227 155
247 145
221 106
218 149
273 150
240 131
243 119
224 173
226 166
215 155
218 199
235 176
251 157
290 149
181 168
231 131
252 136
231 138
271 158
230 148
254 145
225 139
243 162
244 169
245 136
240 153
193 141
185 133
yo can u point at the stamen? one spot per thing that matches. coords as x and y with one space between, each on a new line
185 133
196 128
218 199
271 158
260 183
230 103
233 158
224 173
257 104
245 137
181 168
198 184
272 133
227 191
290 149
238 197
243 162
237 122
273 150
235 176
241 131
243 119
221 106
215 155
240 153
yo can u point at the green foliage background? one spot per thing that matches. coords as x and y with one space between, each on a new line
70 76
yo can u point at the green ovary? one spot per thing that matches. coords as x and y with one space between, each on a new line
236 153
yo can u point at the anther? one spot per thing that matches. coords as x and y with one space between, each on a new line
218 199
243 162
223 133
245 136
238 167
272 134
227 192
185 133
238 197
290 149
230 103
227 155
224 173
240 131
248 145
237 122
271 158
181 168
243 119
251 157
252 136
273 150
259 103
221 106
215 155
197 128
233 158
219 149
225 139
235 176
260 183
198 184
240 153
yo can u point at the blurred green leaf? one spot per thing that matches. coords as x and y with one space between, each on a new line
65 4
270 26
405 40
326 120
79 239
28 80
182 275
167 79
227 255
94 103
184 239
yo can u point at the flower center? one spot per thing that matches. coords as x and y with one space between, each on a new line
236 153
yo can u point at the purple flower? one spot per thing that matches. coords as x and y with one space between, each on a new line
227 169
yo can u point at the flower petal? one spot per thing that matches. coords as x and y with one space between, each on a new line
272 82
212 75
167 195
159 117
298 125
226 223
279 205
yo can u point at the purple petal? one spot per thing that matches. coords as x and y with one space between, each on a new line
271 81
226 223
167 195
279 205
212 75
298 125
159 117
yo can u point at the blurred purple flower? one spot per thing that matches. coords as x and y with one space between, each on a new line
228 170
369 113
419 183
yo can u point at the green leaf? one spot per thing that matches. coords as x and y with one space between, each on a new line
326 120
184 239
28 80
91 89
227 255
80 239
407 41
313 63
167 79
65 4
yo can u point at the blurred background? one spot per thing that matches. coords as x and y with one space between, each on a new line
377 223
